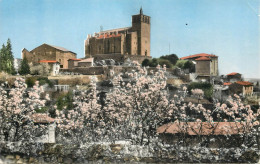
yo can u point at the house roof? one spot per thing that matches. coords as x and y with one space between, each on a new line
48 61
233 73
203 128
203 58
88 60
227 83
75 59
42 118
198 55
244 83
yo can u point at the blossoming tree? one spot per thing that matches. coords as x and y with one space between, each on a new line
17 106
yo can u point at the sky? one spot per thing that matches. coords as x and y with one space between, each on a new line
227 28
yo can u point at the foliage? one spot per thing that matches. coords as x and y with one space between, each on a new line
45 80
165 62
206 87
189 65
25 68
41 69
65 101
41 110
6 58
30 81
180 63
145 62
186 64
154 62
172 58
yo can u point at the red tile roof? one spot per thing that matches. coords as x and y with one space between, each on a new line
108 36
233 73
203 128
227 83
75 59
48 61
198 55
203 58
244 83
42 118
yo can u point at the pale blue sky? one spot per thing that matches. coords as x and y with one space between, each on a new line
227 28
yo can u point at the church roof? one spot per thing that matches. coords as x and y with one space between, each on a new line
60 48
56 47
108 36
198 55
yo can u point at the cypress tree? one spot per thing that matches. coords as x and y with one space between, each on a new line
2 58
25 68
9 58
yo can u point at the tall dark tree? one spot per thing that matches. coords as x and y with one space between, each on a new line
10 58
145 62
25 68
7 58
172 58
2 58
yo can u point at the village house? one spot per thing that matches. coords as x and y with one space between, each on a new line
88 62
54 66
206 65
233 77
44 119
72 63
241 87
49 52
203 132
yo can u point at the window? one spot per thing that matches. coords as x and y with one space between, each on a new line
61 66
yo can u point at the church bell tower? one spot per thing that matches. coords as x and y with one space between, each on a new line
141 23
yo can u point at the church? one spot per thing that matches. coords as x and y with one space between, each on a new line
122 43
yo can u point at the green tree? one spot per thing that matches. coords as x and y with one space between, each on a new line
206 87
65 101
2 58
145 62
154 62
25 68
180 63
189 65
7 58
173 58
165 62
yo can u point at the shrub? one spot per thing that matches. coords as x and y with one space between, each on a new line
206 87
30 81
